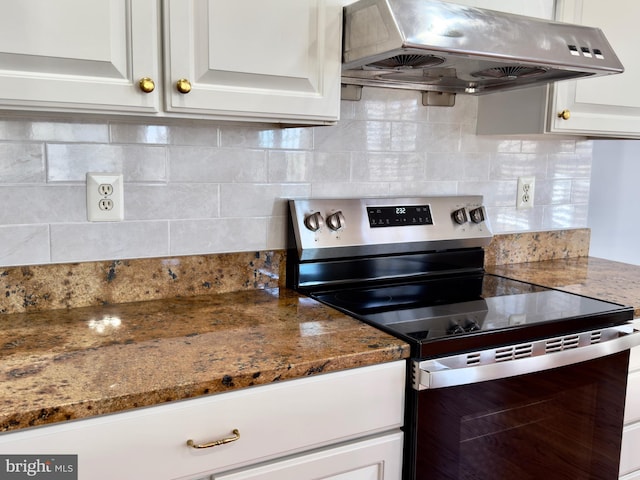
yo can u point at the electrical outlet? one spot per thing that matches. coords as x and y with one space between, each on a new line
105 197
526 189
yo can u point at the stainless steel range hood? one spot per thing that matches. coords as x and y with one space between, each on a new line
443 47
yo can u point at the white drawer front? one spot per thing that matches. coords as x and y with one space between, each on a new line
630 456
634 360
632 476
273 420
372 459
632 406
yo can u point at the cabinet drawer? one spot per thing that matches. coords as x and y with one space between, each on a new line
362 460
632 406
273 420
634 359
630 455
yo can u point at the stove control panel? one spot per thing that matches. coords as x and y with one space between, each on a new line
334 228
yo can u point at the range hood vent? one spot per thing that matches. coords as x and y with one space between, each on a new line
436 46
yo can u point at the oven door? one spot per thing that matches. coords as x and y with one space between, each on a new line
562 422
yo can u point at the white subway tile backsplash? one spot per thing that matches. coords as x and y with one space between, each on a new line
50 131
511 166
79 242
71 162
354 136
508 219
569 165
258 200
353 189
218 235
388 167
205 187
208 164
423 188
173 201
555 216
205 135
274 138
150 134
22 163
553 192
290 166
403 105
24 245
331 167
35 204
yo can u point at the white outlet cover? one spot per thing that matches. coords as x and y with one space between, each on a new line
94 213
528 184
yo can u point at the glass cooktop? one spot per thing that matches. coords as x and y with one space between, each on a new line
468 305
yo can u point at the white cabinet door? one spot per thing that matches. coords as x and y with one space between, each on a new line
254 59
78 55
606 105
373 459
532 8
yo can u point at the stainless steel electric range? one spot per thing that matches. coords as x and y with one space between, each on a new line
499 368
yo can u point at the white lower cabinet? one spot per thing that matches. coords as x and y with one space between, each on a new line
371 459
630 456
340 426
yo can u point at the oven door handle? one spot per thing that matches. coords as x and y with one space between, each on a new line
521 359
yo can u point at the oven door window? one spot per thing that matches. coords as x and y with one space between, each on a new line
564 423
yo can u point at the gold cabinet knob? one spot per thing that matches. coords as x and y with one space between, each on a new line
564 114
147 85
183 85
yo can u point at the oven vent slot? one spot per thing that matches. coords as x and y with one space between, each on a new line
514 352
474 358
596 336
562 343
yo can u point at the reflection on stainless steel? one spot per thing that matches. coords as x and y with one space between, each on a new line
438 46
521 359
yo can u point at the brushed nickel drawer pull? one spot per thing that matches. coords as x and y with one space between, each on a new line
215 443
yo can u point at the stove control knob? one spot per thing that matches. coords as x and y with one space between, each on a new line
471 326
336 221
477 215
460 216
314 221
455 329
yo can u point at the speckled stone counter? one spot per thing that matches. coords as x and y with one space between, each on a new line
594 277
68 364
83 339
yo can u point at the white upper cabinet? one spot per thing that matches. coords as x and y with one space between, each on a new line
600 107
269 59
532 8
75 55
257 60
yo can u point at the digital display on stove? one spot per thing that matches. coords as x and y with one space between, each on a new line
399 215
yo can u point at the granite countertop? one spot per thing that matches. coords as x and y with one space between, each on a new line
75 363
593 277
87 339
